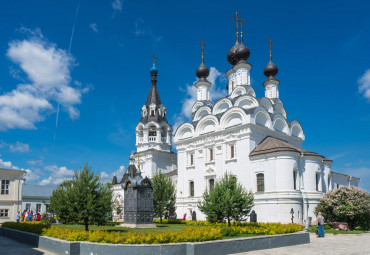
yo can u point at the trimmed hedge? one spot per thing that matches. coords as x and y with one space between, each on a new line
189 234
210 231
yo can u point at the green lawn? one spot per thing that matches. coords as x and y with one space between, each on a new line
160 228
336 232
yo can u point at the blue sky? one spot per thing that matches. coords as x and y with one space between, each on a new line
100 78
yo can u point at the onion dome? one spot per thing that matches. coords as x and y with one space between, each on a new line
271 70
242 53
154 70
202 71
231 54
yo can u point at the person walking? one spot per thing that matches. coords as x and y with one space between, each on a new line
18 216
320 225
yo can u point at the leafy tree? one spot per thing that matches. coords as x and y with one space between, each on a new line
228 199
83 199
346 204
164 196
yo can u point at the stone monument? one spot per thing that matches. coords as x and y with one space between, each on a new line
138 198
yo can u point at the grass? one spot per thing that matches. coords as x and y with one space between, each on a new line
336 232
160 228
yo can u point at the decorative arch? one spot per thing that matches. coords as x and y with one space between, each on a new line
201 112
207 124
266 103
296 129
152 123
251 92
261 117
280 124
238 91
233 117
196 106
184 131
246 102
279 108
222 105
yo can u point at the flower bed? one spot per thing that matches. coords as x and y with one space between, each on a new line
210 231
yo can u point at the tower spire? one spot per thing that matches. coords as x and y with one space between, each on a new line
203 45
202 71
270 46
241 22
154 71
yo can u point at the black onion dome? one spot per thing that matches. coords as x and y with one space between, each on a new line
231 54
202 71
271 69
242 53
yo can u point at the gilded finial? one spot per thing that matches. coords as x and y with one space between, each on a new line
236 23
270 45
203 45
138 160
154 58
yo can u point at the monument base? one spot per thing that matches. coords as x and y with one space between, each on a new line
137 225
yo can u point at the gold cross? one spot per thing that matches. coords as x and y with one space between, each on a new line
270 45
154 58
203 45
236 22
241 22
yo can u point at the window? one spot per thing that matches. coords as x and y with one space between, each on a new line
28 207
191 159
294 180
337 186
4 212
5 187
210 154
38 208
329 182
317 181
260 182
211 184
192 189
232 151
152 113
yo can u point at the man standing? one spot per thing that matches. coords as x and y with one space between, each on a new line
18 216
320 225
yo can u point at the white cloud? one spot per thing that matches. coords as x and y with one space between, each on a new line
30 176
19 147
105 177
94 27
141 29
117 5
364 84
7 164
48 71
215 92
57 175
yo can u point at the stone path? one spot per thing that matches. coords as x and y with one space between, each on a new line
11 247
330 245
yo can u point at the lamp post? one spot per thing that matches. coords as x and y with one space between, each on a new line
292 212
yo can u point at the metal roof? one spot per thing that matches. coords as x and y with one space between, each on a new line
37 190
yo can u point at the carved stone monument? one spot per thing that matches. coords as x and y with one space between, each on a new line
138 199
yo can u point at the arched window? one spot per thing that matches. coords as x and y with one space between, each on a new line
260 182
211 184
232 151
191 188
317 181
210 154
329 184
294 180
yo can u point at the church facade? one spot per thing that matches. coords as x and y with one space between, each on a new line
247 136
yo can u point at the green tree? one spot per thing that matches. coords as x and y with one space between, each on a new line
227 200
83 199
346 204
164 196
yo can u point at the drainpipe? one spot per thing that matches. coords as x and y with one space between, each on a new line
19 181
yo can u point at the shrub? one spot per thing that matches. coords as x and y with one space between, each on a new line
346 204
229 232
189 234
33 227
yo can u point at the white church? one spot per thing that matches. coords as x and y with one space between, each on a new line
247 136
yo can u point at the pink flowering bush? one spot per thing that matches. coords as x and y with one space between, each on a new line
346 204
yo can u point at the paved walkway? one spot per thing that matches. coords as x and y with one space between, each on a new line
11 247
330 245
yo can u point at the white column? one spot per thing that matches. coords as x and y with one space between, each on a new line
145 135
158 138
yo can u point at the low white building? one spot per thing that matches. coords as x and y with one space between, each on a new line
11 182
36 197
